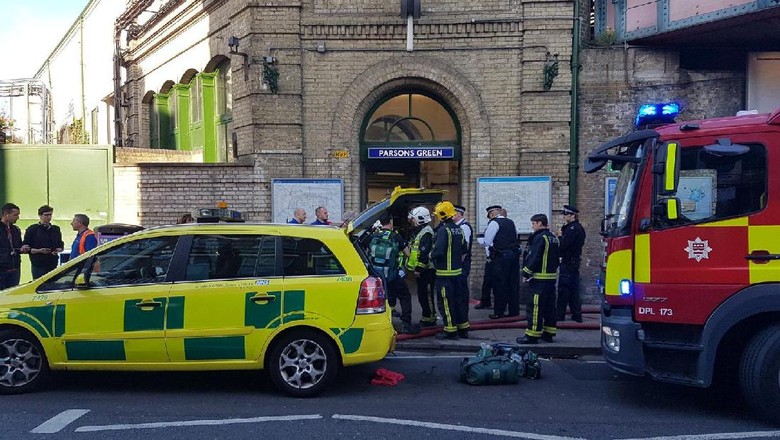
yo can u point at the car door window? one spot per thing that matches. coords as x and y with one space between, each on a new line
142 261
214 257
62 281
307 256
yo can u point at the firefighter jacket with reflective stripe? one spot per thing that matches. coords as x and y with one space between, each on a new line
420 250
541 263
448 249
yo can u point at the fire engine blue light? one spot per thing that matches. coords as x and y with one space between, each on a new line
625 287
647 110
656 114
671 108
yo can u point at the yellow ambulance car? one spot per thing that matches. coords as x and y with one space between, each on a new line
299 301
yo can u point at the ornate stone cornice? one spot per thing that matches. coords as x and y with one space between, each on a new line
457 29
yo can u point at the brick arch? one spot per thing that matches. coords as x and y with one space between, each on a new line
391 75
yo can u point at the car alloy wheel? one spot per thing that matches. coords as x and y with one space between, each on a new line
303 363
22 362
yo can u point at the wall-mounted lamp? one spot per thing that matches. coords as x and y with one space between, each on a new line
550 71
270 72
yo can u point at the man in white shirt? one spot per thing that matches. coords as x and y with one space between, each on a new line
501 246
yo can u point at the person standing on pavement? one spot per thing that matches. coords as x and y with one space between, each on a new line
322 216
468 234
572 239
385 253
299 216
85 238
10 247
449 248
501 244
419 263
539 271
45 241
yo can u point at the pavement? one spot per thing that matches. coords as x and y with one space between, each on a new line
572 340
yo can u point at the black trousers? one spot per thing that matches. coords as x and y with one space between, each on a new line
488 280
506 272
463 278
451 303
540 309
569 293
399 291
426 296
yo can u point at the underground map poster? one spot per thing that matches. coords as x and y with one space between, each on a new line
521 196
289 194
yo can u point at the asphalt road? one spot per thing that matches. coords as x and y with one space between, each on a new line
575 398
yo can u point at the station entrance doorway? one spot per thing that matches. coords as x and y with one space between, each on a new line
410 138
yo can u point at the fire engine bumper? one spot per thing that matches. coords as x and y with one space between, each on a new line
620 344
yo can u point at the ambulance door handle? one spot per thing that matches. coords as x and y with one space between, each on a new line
146 304
762 257
259 298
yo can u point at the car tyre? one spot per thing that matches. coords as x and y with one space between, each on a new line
23 364
302 363
759 373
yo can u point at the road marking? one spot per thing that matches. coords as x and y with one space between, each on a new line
461 428
60 421
125 427
719 436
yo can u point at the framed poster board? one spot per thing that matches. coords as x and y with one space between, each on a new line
521 196
289 194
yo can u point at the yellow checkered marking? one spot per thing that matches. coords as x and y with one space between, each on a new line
618 268
764 238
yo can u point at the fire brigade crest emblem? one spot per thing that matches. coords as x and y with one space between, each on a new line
698 249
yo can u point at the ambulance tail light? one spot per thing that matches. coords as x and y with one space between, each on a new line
371 298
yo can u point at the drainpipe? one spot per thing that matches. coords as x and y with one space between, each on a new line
117 92
574 125
83 92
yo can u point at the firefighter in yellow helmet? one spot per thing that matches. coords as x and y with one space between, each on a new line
449 248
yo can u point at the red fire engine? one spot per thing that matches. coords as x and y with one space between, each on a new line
692 255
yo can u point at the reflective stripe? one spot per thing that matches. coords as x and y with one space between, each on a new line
448 327
545 276
531 330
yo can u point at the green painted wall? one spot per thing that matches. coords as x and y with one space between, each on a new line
71 178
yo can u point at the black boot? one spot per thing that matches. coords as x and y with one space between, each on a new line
463 334
527 340
447 335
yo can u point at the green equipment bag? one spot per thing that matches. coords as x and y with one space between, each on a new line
489 368
500 364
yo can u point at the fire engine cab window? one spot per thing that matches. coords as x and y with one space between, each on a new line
714 187
306 256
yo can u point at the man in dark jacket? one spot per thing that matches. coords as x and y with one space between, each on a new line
45 241
571 241
539 271
10 247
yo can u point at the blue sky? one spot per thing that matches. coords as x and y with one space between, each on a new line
30 30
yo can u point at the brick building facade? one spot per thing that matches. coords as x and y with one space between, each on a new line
338 60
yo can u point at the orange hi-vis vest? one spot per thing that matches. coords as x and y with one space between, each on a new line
83 240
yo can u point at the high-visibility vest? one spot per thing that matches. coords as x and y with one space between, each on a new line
414 251
83 240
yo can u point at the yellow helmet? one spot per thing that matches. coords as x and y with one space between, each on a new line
445 210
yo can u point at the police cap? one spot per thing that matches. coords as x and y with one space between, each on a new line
569 209
460 208
492 207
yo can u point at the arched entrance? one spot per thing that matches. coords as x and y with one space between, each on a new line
409 138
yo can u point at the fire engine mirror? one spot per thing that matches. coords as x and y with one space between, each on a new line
673 207
667 165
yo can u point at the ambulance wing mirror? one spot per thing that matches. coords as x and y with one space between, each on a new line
81 281
667 168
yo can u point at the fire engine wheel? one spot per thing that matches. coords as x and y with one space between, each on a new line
303 363
23 365
759 373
